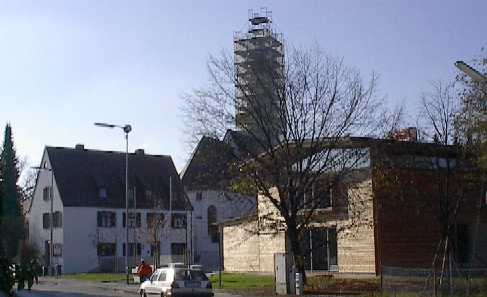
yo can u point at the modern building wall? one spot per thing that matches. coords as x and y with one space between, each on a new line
241 247
408 214
251 247
355 231
270 244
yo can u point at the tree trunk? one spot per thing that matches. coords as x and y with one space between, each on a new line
297 253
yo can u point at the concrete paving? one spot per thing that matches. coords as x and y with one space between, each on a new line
59 287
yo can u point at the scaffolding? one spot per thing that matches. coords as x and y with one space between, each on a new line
259 62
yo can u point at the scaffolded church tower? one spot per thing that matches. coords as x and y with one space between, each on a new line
259 65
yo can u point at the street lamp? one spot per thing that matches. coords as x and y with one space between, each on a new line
51 216
126 129
471 72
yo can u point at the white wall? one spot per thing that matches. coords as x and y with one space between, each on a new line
38 235
82 235
229 206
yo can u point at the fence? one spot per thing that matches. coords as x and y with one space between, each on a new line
399 281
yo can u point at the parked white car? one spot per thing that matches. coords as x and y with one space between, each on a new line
174 281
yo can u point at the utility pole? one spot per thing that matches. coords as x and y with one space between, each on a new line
126 129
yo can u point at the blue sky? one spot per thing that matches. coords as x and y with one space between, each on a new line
67 64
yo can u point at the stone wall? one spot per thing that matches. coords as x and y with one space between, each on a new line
269 245
351 214
355 233
241 247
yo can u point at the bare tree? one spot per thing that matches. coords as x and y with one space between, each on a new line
294 136
156 226
439 109
155 230
453 180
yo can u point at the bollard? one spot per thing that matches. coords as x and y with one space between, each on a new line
299 283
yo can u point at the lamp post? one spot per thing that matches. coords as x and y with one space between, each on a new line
51 216
126 129
471 72
474 74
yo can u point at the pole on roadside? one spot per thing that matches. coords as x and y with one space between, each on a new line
51 246
220 255
126 129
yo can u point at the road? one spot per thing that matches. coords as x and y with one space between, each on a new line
52 287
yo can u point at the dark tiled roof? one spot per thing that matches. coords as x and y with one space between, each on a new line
244 145
80 173
210 166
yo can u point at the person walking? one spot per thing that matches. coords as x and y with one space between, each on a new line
20 276
144 271
29 275
36 269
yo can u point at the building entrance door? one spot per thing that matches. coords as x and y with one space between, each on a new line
320 248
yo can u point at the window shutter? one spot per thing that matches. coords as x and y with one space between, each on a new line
138 220
112 219
98 217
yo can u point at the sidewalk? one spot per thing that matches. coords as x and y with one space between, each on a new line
66 285
99 288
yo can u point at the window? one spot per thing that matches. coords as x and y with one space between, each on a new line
102 193
135 220
178 248
132 249
212 223
148 195
57 219
155 249
57 250
46 193
46 220
106 219
178 220
197 275
319 246
462 243
318 196
182 275
155 220
199 196
322 194
162 276
106 249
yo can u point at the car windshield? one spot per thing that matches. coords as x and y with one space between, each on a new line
181 275
153 277
185 274
198 275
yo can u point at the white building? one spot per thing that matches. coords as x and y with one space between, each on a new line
89 209
206 179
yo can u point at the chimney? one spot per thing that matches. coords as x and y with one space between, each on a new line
139 152
79 146
409 135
